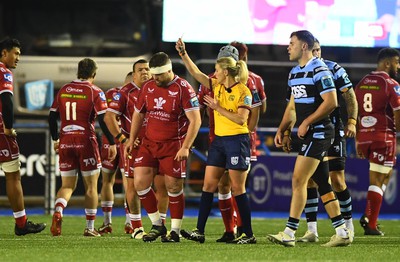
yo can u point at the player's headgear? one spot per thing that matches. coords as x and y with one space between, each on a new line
228 51
160 63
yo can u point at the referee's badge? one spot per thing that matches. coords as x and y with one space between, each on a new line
234 160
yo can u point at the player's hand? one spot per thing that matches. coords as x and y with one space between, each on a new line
182 154
211 102
112 152
287 143
278 139
128 149
180 46
302 130
350 130
136 143
359 153
56 145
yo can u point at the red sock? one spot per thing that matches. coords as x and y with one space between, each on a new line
59 206
238 219
226 208
374 202
177 205
149 201
20 221
106 209
136 223
90 216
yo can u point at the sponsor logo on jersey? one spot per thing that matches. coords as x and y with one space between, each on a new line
184 83
102 96
337 67
116 97
256 97
299 91
369 87
247 100
71 128
150 90
320 68
346 79
368 121
91 161
172 94
75 96
327 82
70 89
159 102
380 157
397 90
194 101
391 81
8 77
370 81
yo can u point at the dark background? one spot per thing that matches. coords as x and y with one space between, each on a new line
124 28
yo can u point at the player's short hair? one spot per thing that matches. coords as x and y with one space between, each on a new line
242 48
305 36
387 53
9 43
87 68
159 59
228 51
140 61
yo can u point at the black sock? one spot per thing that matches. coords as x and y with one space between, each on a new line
245 213
206 202
345 203
311 208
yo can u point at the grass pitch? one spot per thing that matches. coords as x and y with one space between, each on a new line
72 246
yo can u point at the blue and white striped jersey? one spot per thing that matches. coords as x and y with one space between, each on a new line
307 84
343 84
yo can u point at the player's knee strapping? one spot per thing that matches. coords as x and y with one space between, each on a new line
321 177
336 164
328 197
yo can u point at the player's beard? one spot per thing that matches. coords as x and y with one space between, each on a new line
393 73
162 83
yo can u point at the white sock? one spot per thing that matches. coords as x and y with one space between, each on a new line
341 231
349 224
312 226
290 232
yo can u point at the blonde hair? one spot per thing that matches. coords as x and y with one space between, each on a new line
238 70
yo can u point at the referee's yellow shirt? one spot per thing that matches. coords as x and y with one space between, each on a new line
239 96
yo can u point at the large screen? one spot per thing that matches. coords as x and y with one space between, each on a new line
353 23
